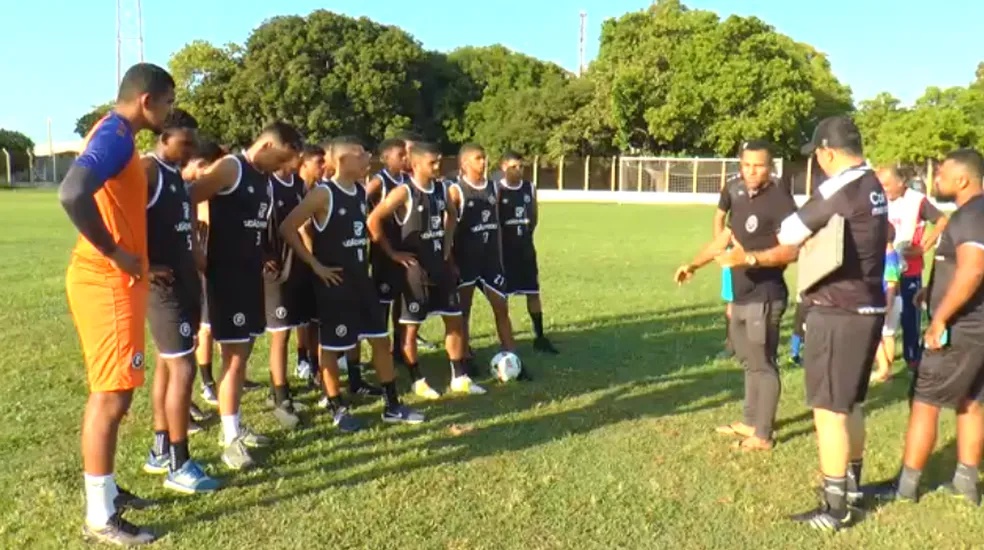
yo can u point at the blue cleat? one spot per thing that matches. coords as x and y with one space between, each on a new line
156 464
345 422
190 479
402 415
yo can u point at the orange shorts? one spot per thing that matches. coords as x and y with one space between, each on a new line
109 317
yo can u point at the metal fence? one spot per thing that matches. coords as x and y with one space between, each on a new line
23 169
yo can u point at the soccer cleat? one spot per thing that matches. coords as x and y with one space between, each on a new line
194 427
464 384
542 344
156 464
367 390
886 491
209 395
402 414
197 414
822 519
190 479
249 385
425 345
118 532
303 370
422 389
252 439
345 422
286 415
973 496
129 501
236 457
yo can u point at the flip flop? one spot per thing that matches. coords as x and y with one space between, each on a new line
753 444
733 430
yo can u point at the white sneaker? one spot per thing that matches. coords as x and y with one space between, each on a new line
422 389
208 395
303 370
464 384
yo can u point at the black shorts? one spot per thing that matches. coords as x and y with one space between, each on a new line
387 276
425 294
235 304
289 304
203 299
486 271
946 377
521 271
837 361
348 314
173 312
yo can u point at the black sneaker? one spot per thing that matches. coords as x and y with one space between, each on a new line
197 414
972 496
118 532
822 519
542 344
887 491
402 414
345 422
425 345
854 498
249 385
366 390
125 500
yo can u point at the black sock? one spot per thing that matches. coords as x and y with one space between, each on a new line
458 368
160 443
414 370
389 390
206 370
835 494
908 483
280 394
854 475
335 403
355 380
537 319
179 454
315 361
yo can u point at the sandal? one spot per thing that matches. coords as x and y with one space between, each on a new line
739 429
754 444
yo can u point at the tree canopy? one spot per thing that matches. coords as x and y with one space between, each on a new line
668 80
18 146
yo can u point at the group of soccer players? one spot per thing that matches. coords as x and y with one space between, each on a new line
290 237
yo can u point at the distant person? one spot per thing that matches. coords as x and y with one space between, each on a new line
909 211
952 372
894 266
847 309
105 194
728 195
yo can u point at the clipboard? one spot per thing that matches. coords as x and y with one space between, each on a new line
823 254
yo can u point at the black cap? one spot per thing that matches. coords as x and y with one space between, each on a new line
837 132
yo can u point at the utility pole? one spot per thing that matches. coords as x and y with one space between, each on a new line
580 44
129 36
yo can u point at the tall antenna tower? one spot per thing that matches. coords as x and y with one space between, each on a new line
129 36
580 44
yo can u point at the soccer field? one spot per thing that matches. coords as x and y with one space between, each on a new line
612 445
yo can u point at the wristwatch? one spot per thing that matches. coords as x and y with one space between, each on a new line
751 260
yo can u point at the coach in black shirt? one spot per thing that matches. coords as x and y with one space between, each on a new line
758 206
951 374
846 309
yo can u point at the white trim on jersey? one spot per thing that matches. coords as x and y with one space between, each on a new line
461 198
157 192
285 183
239 178
331 204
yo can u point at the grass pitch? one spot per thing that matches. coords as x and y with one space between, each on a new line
612 446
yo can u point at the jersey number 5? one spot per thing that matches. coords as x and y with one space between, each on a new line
188 237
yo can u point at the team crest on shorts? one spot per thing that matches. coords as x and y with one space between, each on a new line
280 312
341 331
413 307
239 319
752 223
185 329
138 360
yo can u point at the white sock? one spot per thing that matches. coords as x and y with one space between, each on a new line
230 427
99 494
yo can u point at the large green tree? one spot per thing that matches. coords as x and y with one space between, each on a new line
202 73
85 122
19 147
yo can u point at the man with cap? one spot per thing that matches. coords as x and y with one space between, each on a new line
846 309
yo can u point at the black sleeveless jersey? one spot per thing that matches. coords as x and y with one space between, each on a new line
389 183
342 238
286 196
238 220
421 225
516 216
477 232
169 222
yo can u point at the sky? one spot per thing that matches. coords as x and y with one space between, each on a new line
59 56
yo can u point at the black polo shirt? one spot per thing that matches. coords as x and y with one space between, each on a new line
755 221
965 228
857 196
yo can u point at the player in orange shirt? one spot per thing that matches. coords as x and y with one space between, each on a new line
105 193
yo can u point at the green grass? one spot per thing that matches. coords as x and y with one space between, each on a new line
611 447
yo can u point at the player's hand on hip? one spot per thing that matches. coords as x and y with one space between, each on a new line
405 259
683 274
271 268
332 276
933 338
160 275
128 263
919 298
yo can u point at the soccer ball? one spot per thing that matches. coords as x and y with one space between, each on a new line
506 366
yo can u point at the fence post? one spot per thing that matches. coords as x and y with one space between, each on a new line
639 175
587 171
694 182
560 174
536 169
30 166
809 177
614 163
724 173
666 175
6 156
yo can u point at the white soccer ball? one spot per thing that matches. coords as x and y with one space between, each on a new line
506 366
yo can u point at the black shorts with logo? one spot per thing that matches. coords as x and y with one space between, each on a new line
484 270
174 314
289 304
349 313
235 303
948 376
425 294
521 271
838 359
387 276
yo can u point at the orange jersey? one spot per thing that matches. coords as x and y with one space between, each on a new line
122 201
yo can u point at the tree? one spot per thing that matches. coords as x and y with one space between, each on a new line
19 146
202 73
85 122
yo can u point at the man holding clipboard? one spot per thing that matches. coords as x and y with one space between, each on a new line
846 301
